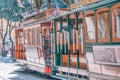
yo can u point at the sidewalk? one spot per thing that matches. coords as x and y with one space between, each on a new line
6 59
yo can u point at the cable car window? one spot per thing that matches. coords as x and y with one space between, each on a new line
20 37
90 24
25 36
80 32
65 35
103 24
40 38
29 37
33 36
116 19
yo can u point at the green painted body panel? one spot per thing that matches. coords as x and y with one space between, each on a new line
59 54
70 40
55 36
61 49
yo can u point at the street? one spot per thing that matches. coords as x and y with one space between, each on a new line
9 70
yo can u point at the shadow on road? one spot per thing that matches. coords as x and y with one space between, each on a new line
15 72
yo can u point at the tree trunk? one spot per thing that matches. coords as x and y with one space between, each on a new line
1 35
10 38
4 37
12 46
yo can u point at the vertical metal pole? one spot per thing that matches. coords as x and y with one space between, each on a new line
110 20
58 41
58 44
69 40
77 53
95 18
24 46
61 39
73 38
51 40
65 42
83 33
50 44
55 42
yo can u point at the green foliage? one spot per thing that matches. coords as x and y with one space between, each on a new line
39 3
66 1
12 10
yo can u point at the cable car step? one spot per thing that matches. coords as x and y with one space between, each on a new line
63 78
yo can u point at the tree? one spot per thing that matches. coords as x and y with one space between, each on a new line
11 11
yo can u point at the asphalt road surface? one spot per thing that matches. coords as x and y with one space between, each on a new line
11 71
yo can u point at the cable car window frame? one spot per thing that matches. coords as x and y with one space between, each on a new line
107 30
25 36
114 27
29 36
33 36
85 23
